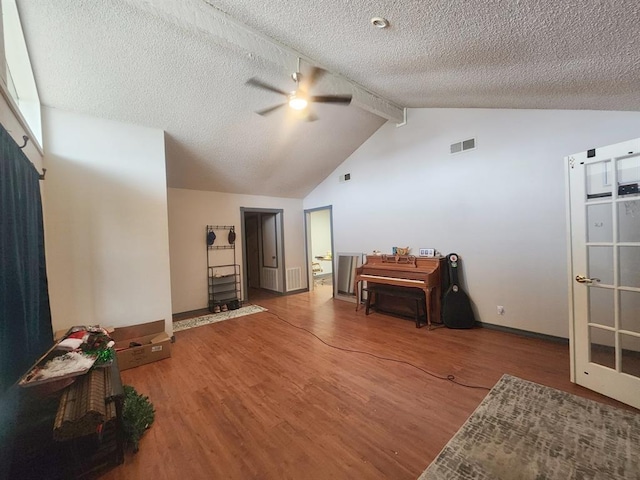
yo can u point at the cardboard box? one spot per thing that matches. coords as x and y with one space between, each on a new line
60 334
155 344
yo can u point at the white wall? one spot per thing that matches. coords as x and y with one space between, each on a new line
190 211
501 207
106 230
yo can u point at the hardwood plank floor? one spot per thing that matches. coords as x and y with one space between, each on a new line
254 397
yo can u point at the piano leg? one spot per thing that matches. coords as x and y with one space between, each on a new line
367 303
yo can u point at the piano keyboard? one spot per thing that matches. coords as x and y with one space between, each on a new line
381 278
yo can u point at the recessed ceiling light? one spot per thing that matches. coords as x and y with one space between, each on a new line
380 22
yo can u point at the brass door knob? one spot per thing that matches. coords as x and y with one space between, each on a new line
583 279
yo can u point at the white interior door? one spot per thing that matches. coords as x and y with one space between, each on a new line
269 241
605 269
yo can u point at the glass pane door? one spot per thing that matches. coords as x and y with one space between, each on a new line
605 245
628 221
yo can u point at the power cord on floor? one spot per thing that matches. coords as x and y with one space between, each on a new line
451 378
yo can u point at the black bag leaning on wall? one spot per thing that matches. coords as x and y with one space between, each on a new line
456 305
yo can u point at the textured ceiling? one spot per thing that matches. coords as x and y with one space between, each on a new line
131 61
469 53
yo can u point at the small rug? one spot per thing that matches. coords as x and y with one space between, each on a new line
216 317
523 430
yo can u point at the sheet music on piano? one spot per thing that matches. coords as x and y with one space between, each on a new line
399 259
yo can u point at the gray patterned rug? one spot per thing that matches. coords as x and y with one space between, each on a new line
216 317
523 430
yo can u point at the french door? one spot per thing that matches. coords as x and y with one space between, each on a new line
604 206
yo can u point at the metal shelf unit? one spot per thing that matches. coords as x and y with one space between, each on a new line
223 279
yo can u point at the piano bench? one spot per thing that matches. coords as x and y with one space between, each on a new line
399 292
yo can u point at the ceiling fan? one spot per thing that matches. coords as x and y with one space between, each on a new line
300 99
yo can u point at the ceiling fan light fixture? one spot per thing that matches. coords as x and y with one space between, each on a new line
300 99
379 22
298 102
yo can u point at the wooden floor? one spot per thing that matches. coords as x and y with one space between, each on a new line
255 397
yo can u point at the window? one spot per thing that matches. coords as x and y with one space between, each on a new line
17 75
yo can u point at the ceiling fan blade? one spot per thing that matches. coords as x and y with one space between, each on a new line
269 110
338 99
254 82
310 80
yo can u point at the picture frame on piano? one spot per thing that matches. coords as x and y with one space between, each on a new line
427 252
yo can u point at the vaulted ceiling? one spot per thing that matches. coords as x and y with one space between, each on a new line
182 66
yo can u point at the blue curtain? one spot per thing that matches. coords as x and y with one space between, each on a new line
25 317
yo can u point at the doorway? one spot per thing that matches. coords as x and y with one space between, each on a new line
604 205
263 252
319 241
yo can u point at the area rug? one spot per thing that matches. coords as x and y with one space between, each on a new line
216 317
523 430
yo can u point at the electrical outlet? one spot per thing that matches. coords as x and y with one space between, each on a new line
500 310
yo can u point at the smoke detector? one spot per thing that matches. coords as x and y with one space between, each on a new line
379 22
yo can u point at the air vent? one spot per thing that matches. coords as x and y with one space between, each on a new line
463 146
345 178
294 279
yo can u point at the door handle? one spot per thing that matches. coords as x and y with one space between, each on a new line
583 279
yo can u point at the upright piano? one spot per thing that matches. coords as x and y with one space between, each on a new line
408 271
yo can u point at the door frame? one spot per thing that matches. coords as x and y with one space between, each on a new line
307 243
572 318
